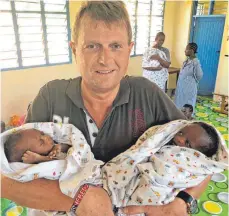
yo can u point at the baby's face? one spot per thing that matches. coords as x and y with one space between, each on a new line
192 136
187 112
36 141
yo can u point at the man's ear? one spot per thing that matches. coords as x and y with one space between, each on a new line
73 47
131 46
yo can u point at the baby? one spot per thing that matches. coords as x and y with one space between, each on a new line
132 177
33 146
198 136
164 161
187 109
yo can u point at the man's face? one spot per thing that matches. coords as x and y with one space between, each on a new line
102 54
187 112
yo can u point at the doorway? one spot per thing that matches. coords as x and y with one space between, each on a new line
207 32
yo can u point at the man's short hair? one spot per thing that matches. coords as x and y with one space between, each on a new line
189 106
107 11
212 147
12 152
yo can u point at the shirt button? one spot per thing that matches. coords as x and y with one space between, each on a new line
90 121
94 134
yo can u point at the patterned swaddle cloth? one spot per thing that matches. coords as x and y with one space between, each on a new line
152 173
78 168
149 173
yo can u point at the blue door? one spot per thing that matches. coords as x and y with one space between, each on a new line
207 33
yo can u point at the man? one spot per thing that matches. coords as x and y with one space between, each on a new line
111 110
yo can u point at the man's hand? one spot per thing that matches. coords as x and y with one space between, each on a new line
95 202
176 208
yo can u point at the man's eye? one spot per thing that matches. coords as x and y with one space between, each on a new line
180 133
115 46
91 46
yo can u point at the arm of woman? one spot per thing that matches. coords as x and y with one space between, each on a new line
176 208
163 63
153 68
198 73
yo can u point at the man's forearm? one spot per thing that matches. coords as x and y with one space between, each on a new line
176 208
40 194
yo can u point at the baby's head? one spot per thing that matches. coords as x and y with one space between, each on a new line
198 136
187 109
31 139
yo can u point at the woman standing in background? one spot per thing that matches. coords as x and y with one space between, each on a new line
189 77
156 61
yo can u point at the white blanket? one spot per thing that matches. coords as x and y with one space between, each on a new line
78 168
152 173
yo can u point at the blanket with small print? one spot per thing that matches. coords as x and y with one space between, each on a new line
78 168
152 173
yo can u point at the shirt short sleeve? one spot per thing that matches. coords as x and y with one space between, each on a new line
167 53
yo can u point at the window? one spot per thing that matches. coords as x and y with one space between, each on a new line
200 9
146 20
34 33
218 7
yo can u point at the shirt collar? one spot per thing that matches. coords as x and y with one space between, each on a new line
74 92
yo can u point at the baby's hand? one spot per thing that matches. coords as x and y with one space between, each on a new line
31 157
56 150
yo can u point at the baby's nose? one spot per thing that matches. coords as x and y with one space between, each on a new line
181 141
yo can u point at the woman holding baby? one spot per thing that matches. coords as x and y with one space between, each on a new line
156 61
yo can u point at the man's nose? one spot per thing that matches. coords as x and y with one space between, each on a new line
104 56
